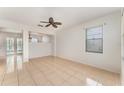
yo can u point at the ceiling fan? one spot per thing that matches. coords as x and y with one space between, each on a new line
51 22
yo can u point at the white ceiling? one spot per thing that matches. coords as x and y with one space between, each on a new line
68 16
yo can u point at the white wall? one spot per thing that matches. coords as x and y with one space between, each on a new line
43 48
122 47
71 44
40 49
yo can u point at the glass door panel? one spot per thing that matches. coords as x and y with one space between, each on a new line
19 45
10 45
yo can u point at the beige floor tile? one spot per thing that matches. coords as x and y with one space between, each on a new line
53 71
76 82
55 79
10 81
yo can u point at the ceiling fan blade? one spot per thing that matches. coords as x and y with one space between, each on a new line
51 20
55 26
47 25
40 25
58 23
43 22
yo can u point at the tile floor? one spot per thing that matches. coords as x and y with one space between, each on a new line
51 71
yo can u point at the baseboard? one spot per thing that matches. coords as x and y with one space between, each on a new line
40 57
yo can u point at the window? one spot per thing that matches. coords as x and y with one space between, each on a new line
94 39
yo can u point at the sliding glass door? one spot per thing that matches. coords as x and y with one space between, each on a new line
13 45
19 45
10 45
